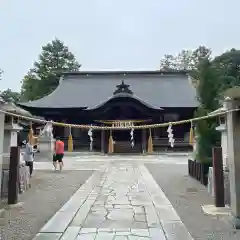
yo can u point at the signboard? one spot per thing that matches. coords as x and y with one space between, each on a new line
122 124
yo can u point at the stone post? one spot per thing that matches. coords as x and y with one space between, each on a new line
222 128
2 117
13 181
233 135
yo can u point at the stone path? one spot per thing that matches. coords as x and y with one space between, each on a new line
120 201
92 162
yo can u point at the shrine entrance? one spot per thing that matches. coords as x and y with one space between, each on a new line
123 109
124 140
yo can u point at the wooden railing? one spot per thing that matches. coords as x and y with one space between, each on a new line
180 144
165 141
124 146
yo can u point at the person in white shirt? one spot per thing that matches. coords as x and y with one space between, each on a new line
29 157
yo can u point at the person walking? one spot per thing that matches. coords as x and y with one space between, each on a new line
29 157
59 153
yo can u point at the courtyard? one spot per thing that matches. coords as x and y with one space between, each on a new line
114 197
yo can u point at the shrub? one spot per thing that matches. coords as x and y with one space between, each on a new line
207 138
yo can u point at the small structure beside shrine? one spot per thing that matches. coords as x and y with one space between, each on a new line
9 125
222 128
114 98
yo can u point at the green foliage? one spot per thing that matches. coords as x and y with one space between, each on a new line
206 80
207 136
207 87
44 77
185 60
214 77
1 72
9 96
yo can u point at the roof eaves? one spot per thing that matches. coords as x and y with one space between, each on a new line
122 95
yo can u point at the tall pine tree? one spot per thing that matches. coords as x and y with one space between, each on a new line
44 77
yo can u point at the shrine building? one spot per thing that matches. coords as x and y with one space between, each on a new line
119 98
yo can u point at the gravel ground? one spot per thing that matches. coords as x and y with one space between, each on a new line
187 196
49 191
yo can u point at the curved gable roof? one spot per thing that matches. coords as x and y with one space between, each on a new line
88 89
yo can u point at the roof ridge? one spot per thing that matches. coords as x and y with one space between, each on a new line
125 72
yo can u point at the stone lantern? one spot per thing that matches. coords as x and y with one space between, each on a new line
222 128
2 117
11 130
233 133
10 139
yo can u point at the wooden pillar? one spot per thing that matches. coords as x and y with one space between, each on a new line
13 187
218 177
144 141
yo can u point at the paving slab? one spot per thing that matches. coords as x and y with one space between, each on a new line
193 204
120 201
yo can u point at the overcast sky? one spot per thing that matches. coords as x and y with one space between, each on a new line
112 34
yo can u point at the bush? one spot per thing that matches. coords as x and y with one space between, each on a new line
207 138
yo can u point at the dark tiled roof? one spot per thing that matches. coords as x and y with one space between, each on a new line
122 73
88 89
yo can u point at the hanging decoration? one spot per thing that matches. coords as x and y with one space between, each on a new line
170 135
110 143
191 135
70 141
150 142
145 126
31 134
132 137
90 134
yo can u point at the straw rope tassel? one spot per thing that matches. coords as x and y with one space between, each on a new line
150 142
110 143
30 134
70 141
191 135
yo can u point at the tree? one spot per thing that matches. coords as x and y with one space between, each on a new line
9 96
207 92
185 60
1 72
168 63
198 55
214 77
227 67
203 77
44 77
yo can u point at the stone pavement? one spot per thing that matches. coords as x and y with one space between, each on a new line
120 201
93 162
